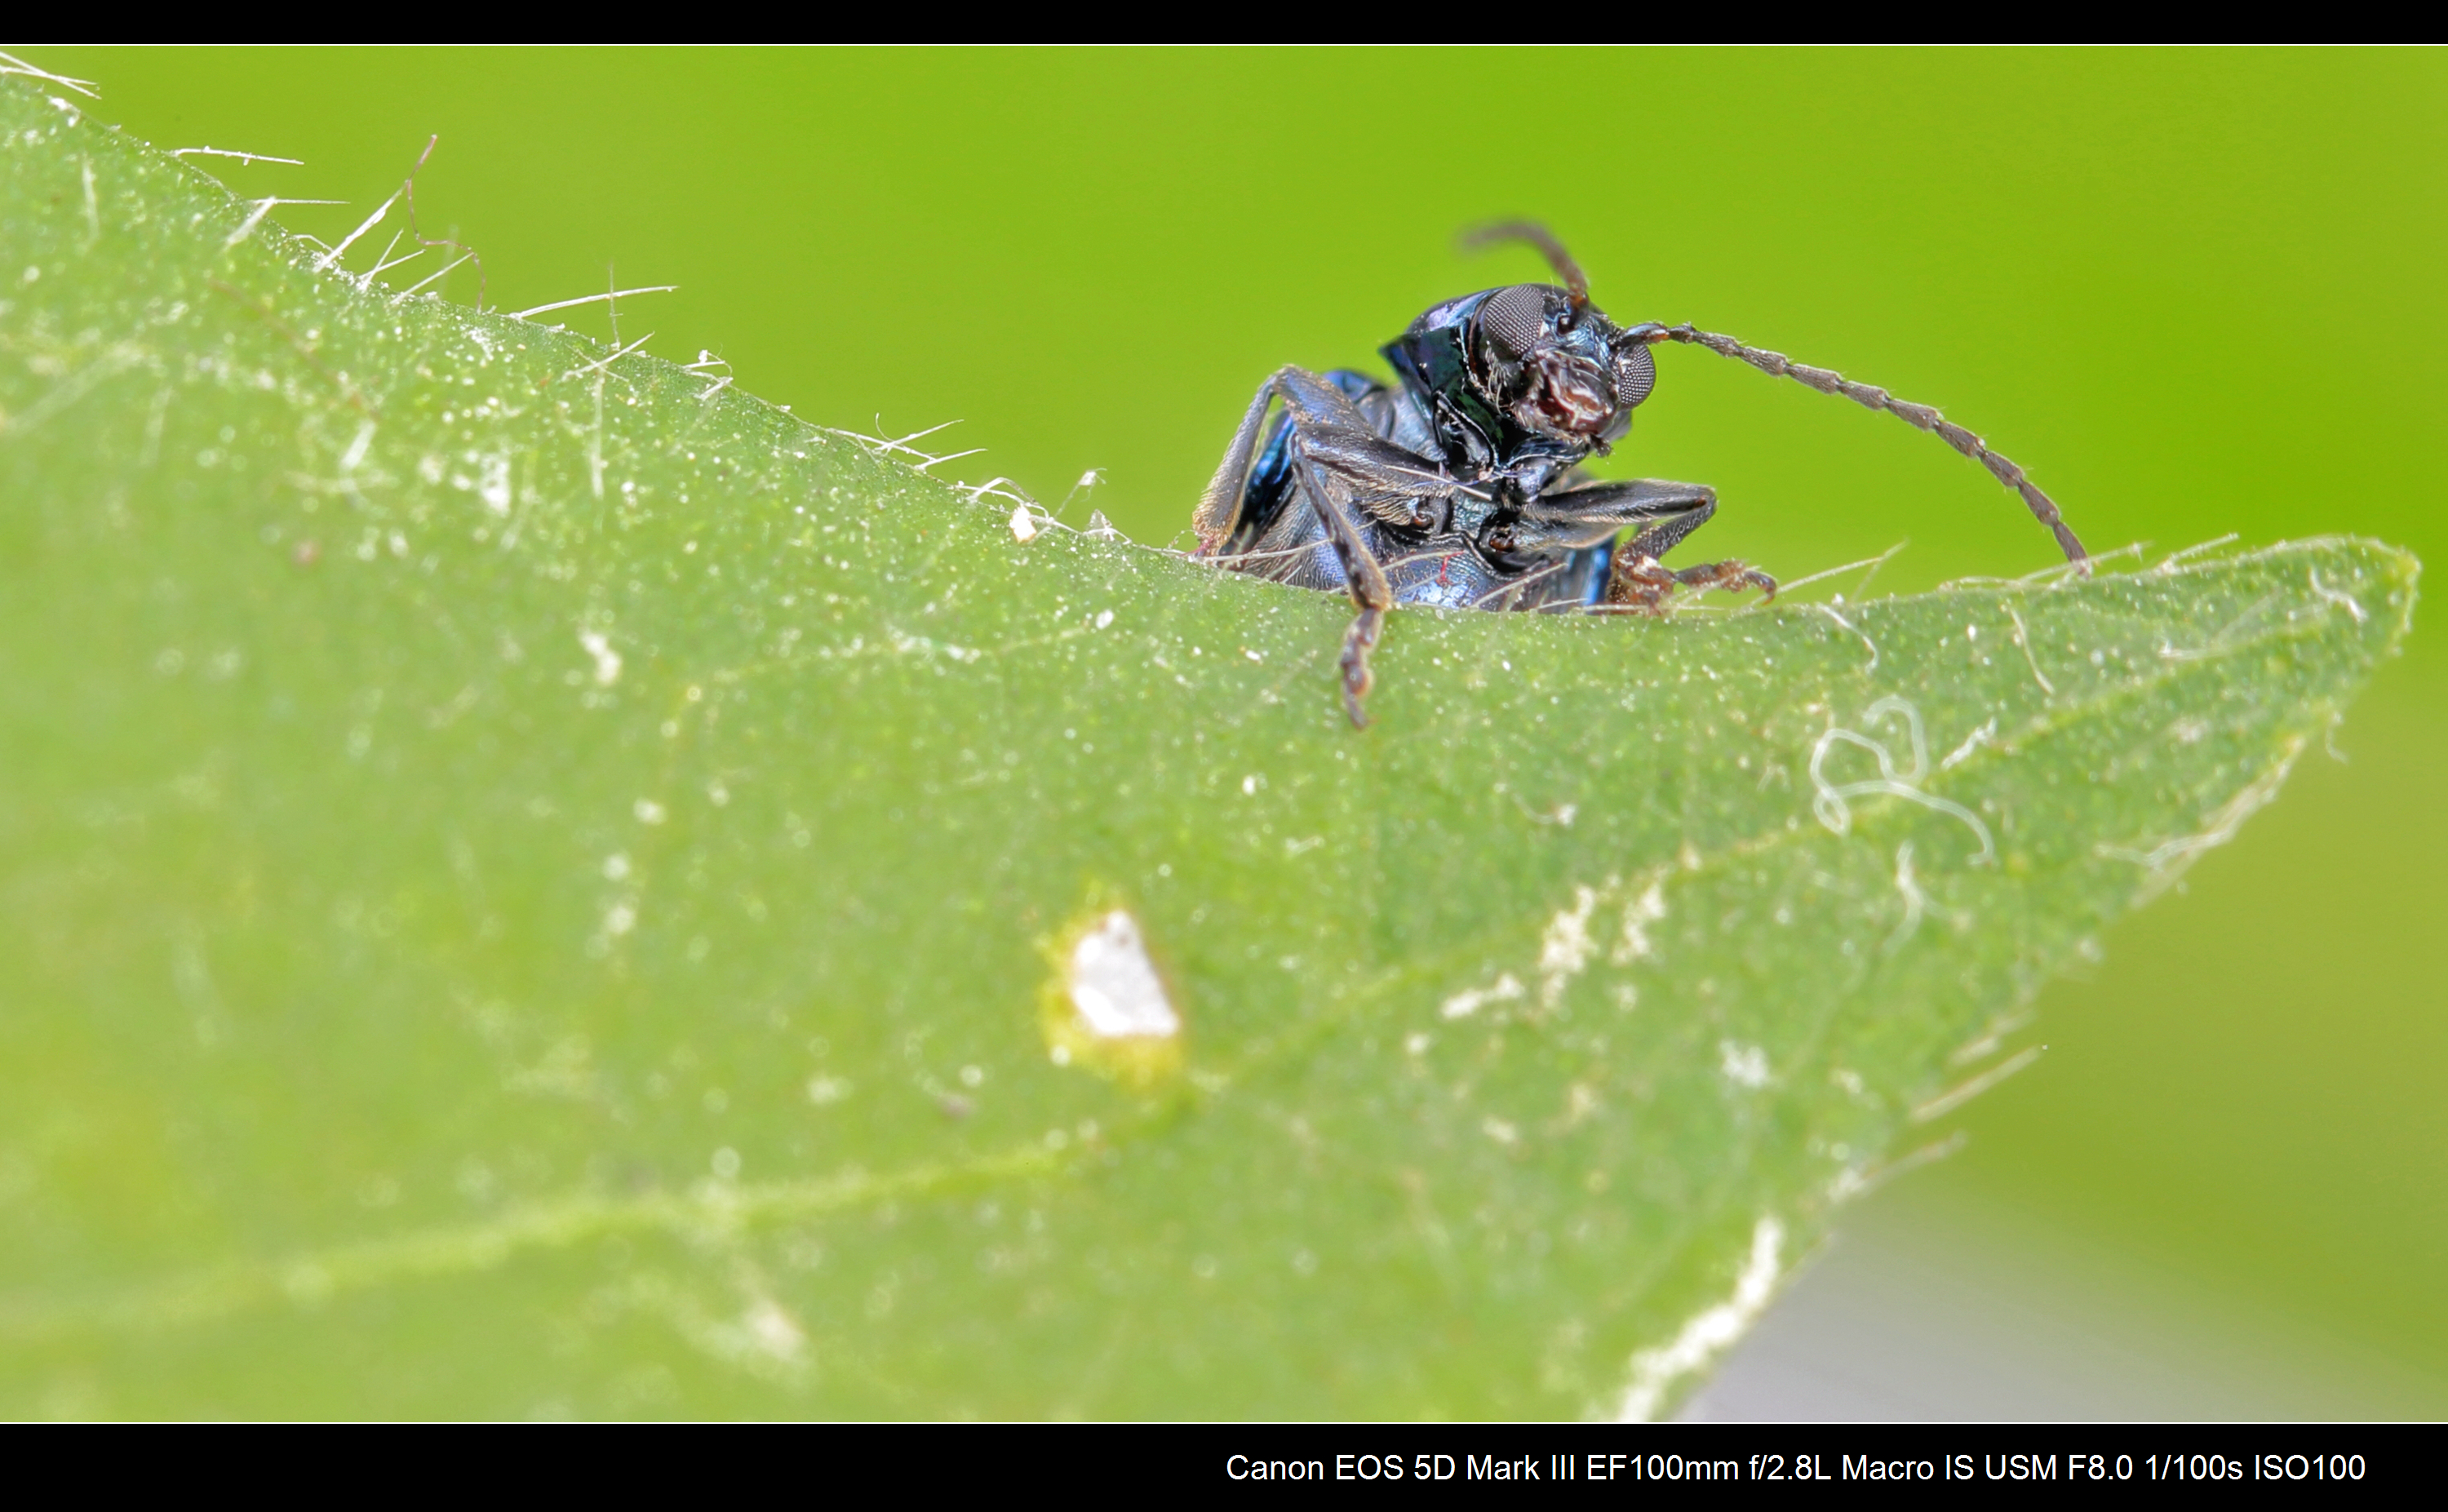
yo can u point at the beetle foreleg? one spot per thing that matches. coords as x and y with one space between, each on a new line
1570 519
1357 484
1638 580
1732 576
1351 479
1672 527
1643 584
1362 573
1357 642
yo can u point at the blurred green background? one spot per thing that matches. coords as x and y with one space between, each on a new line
2193 293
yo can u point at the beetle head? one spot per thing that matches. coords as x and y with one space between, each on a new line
1557 365
1548 357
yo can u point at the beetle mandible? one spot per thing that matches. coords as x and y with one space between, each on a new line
1463 488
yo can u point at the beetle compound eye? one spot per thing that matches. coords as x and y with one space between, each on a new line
1635 373
1514 319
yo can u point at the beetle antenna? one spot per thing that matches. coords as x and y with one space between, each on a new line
1576 283
1920 416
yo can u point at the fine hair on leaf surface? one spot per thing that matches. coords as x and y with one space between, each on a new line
539 881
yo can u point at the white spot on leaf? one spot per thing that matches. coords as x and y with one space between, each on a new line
774 1332
1567 947
1463 1005
1743 1064
1114 984
1638 916
607 661
1971 742
493 484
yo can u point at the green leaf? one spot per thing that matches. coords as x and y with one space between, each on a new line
533 882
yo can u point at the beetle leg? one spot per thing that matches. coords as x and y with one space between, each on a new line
1571 519
1219 508
1357 642
1370 591
1338 432
1638 580
1349 475
1643 584
1732 576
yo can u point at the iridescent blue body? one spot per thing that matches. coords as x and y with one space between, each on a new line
1437 412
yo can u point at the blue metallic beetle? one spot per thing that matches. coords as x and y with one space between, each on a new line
1462 488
